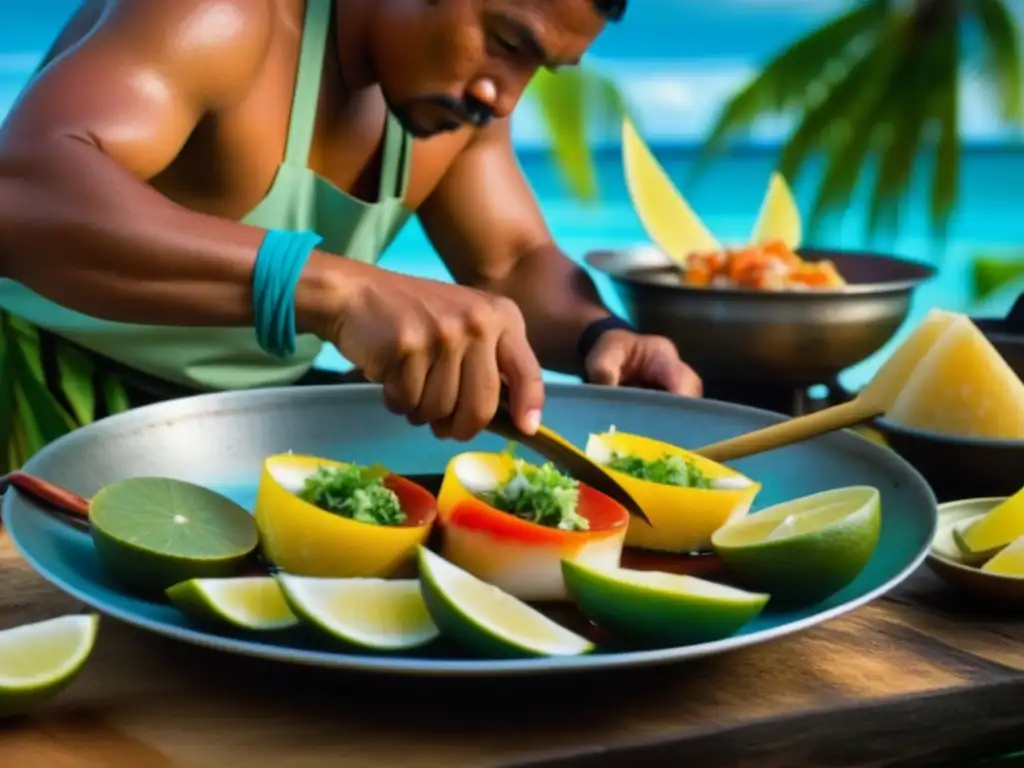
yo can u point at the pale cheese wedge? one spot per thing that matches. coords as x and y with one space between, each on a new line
962 387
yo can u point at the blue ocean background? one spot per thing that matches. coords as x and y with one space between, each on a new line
677 60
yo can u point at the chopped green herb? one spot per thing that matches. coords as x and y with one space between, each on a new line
354 492
665 470
542 495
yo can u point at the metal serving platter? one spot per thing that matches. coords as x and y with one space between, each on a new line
220 440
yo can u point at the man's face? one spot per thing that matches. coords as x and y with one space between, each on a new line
443 64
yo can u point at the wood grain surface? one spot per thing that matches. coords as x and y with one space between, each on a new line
916 678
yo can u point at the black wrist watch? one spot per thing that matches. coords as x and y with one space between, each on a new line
596 330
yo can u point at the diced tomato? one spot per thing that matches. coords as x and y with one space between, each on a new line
767 266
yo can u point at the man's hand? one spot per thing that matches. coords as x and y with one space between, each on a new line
623 358
440 350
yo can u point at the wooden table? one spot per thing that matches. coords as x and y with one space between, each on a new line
914 678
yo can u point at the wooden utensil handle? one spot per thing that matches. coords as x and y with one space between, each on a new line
792 431
47 492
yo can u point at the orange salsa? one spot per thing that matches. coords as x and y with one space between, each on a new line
768 266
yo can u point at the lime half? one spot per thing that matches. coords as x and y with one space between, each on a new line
253 603
378 614
152 533
805 550
39 660
487 621
657 607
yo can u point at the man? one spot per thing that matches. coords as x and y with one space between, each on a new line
178 183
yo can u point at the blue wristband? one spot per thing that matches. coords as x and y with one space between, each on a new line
279 262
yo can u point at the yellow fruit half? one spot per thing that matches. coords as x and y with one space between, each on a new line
682 519
304 540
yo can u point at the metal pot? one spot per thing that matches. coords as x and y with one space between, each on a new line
790 339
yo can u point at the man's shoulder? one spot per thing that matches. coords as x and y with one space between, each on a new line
219 43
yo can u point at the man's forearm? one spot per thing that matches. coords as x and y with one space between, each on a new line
81 231
558 301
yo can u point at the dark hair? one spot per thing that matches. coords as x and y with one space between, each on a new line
612 9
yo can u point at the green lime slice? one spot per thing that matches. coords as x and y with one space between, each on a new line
378 614
487 621
247 602
805 550
663 608
152 533
39 660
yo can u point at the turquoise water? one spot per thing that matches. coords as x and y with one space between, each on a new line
989 218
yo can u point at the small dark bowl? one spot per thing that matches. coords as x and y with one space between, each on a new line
966 468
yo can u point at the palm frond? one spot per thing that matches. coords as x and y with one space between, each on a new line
845 100
784 82
946 160
921 93
574 106
1002 62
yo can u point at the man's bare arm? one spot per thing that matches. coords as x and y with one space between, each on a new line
78 222
484 221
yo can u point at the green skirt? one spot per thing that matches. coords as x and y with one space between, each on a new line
50 386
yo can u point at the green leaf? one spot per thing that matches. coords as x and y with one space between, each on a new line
42 416
76 380
114 394
1002 62
573 105
845 160
990 273
7 402
946 162
786 79
860 87
920 92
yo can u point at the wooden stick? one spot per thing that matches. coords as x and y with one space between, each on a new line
792 431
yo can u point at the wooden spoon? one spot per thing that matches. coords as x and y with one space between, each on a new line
872 401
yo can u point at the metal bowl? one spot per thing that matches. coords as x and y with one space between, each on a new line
782 338
961 467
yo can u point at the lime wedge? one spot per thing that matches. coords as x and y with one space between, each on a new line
377 614
253 603
151 533
664 608
804 550
39 660
486 621
1009 561
667 218
779 217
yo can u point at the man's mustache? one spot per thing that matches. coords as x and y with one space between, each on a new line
467 110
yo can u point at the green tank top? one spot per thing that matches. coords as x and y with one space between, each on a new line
299 199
